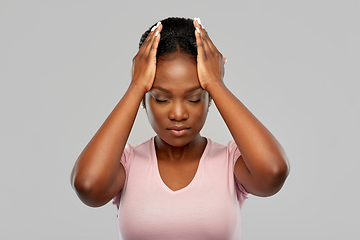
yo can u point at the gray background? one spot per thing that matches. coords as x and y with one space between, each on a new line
65 64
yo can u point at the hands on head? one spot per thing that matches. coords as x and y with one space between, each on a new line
210 62
98 175
144 62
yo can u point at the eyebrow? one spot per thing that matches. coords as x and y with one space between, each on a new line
167 91
193 89
161 89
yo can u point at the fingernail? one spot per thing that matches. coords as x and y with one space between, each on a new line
157 32
197 29
199 21
154 27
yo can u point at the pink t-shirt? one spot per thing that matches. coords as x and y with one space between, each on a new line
208 208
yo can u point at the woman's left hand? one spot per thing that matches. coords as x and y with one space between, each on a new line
210 62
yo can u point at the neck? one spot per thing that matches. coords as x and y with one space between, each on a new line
193 149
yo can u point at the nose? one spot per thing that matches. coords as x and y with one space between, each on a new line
178 111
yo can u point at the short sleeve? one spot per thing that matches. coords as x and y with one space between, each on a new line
233 154
125 161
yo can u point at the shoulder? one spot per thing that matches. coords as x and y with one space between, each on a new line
140 150
230 152
231 147
228 155
144 148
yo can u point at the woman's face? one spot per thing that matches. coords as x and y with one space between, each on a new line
176 105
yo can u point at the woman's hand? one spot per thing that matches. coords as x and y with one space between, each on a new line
263 166
210 62
144 62
98 175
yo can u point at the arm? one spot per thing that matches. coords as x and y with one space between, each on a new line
98 175
263 166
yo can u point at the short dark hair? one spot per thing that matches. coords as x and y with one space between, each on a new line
177 35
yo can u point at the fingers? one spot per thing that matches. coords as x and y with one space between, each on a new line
210 62
204 43
152 40
144 62
211 45
199 41
156 39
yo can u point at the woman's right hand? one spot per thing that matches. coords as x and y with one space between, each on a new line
98 175
144 62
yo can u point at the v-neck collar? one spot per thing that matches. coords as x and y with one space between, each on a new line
193 181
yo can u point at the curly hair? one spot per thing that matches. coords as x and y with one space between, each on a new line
177 35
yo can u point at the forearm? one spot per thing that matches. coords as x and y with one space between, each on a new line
98 164
262 167
98 174
260 150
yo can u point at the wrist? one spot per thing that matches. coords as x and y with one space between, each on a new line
137 90
213 86
137 87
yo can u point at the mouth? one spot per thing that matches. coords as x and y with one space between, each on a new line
178 130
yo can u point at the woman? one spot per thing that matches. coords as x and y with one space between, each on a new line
178 184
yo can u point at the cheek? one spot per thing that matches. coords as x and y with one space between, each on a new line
206 105
201 113
154 113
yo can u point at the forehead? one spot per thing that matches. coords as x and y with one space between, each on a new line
176 72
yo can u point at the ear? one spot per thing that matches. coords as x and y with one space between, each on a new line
210 100
143 103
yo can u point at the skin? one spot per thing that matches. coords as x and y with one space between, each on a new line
183 85
177 108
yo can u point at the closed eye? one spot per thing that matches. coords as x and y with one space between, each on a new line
160 101
195 101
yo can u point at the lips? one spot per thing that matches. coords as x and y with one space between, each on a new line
178 128
178 131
